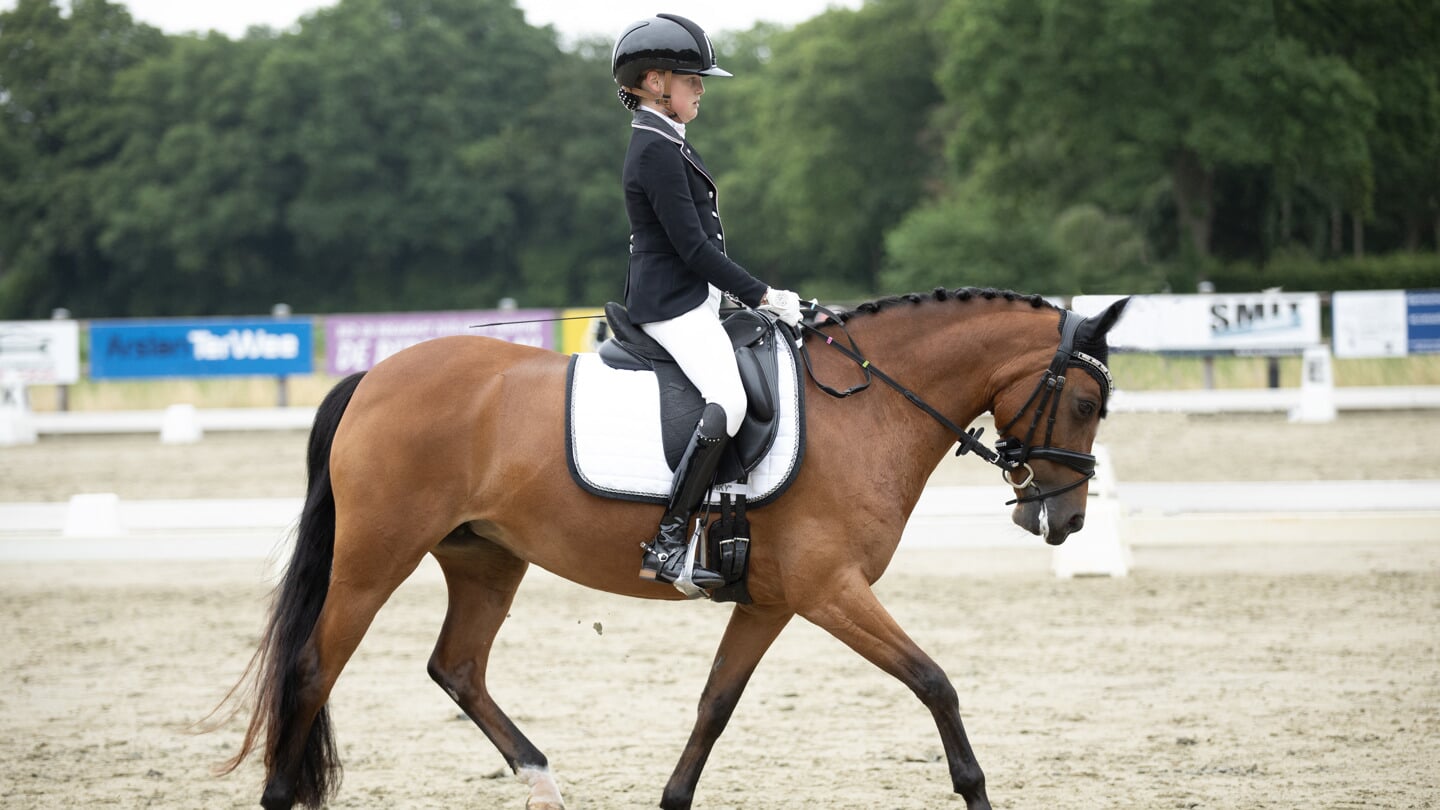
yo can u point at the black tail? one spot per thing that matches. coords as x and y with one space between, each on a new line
277 669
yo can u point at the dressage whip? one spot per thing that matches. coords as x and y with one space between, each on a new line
536 320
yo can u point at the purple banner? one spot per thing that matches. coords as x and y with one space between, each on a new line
357 342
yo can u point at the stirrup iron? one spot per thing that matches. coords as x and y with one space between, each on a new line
685 583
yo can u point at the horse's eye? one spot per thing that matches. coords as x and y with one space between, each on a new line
1086 407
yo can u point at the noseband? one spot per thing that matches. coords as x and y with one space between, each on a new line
1011 454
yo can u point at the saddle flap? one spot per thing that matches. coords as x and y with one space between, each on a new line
759 386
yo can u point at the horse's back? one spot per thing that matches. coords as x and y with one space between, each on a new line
439 407
447 360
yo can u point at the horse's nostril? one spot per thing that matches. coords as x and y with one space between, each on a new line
1076 523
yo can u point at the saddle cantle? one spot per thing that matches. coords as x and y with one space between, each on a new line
754 337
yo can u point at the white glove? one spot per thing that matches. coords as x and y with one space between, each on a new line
784 304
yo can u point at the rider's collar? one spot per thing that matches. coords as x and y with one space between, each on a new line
678 127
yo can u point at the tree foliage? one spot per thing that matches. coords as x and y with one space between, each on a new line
399 154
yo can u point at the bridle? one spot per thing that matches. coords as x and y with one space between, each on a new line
1011 454
1045 398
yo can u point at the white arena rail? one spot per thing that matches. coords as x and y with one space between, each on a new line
1243 400
208 419
101 526
1261 400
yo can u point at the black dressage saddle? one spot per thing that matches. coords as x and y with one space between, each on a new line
755 336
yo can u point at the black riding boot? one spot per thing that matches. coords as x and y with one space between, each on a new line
665 556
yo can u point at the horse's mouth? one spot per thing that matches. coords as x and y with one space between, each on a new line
1036 518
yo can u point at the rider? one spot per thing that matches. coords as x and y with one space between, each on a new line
678 267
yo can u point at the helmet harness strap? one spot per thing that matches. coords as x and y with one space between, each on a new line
663 100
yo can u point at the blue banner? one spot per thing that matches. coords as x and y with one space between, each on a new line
201 348
1422 321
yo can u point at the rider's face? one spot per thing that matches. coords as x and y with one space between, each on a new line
685 92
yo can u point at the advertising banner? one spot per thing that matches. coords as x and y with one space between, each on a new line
1422 321
357 342
583 329
1386 323
1231 323
201 348
40 352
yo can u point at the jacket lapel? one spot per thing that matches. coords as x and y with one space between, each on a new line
651 122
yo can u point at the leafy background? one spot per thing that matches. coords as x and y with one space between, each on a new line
439 154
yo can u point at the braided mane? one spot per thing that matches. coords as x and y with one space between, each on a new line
942 294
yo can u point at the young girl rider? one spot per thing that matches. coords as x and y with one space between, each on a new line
678 267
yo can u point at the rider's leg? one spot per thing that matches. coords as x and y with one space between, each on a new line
702 349
665 557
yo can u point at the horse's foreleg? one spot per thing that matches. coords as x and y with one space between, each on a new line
482 581
857 618
748 636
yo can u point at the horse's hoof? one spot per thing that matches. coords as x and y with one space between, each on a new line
544 793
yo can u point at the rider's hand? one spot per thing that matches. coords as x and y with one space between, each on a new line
784 303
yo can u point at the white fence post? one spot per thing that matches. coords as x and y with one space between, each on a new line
1098 549
17 425
181 425
93 515
1317 388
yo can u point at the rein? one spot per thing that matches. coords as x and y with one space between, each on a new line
1009 454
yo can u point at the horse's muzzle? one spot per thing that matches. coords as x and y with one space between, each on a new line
1047 521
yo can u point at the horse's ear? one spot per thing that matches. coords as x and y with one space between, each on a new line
1100 325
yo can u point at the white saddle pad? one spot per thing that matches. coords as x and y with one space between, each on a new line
615 445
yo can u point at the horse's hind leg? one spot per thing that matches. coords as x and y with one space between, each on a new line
857 618
359 584
482 579
749 634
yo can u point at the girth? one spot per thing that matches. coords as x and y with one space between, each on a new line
753 335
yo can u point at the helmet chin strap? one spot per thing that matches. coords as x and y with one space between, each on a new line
663 100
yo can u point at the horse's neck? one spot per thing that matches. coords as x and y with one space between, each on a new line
957 356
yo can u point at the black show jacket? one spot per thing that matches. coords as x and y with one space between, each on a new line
677 247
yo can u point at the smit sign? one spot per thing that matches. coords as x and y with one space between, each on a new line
208 348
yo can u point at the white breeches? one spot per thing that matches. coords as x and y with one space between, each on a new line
702 349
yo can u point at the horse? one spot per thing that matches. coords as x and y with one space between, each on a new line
455 448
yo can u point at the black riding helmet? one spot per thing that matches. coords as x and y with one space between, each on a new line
663 42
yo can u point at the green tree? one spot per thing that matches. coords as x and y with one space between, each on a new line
1142 90
972 239
832 145
400 122
60 135
193 209
1394 48
576 238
